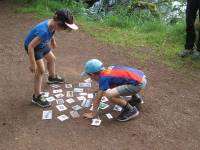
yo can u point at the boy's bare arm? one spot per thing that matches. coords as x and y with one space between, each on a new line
53 43
36 41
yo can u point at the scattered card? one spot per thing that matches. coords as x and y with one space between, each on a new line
83 94
88 80
85 84
45 94
81 98
60 95
54 86
61 107
63 117
60 101
50 99
96 122
76 107
86 103
47 115
57 91
70 100
109 116
69 94
74 114
90 95
91 108
103 105
104 99
78 90
68 86
117 108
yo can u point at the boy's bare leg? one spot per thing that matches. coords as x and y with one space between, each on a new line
38 77
51 63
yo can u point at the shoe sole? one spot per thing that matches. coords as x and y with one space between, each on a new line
40 105
129 118
52 82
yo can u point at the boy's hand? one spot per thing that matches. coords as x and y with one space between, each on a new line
90 115
53 44
33 68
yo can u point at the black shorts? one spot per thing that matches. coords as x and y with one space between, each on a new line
39 52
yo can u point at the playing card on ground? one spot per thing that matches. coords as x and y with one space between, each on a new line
69 94
74 114
104 99
60 95
47 114
45 94
81 98
76 107
88 80
91 108
78 90
86 103
103 105
50 99
68 86
85 84
109 116
117 108
57 91
63 117
90 95
54 86
96 122
70 100
60 101
82 94
61 107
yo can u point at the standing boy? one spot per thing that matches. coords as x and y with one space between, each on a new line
114 82
38 44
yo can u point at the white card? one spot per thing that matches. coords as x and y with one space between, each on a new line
109 116
117 108
104 99
50 99
88 80
81 98
83 94
69 94
60 101
45 94
103 106
85 84
60 95
74 114
63 117
91 108
79 90
90 95
86 103
96 122
70 100
68 86
76 107
57 91
61 107
54 86
47 114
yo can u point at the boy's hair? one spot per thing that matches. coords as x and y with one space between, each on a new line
96 73
63 16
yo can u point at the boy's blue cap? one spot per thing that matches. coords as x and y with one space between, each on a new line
92 66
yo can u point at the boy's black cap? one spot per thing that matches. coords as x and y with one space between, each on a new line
66 17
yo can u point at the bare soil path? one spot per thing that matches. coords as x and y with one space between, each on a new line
169 120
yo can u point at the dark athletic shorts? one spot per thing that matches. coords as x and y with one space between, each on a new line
39 52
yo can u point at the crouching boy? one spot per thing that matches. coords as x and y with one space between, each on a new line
115 82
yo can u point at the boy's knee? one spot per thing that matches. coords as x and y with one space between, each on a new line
41 72
108 94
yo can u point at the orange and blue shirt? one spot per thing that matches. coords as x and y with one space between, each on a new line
119 75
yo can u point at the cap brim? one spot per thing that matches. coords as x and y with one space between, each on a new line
72 26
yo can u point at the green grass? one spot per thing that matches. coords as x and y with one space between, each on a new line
149 37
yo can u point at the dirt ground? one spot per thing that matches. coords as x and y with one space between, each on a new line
169 119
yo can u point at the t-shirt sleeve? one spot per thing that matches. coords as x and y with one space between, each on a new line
104 84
